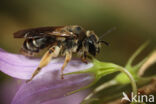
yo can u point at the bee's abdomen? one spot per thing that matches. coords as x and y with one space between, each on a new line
34 45
29 46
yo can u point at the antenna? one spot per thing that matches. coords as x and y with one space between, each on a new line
107 32
106 43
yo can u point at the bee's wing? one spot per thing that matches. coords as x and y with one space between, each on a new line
35 32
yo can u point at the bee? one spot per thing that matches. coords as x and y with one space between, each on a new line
60 40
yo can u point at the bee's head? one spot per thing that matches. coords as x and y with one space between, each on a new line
91 43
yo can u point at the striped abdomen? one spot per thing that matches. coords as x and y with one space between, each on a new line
34 45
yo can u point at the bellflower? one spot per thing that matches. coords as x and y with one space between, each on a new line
47 86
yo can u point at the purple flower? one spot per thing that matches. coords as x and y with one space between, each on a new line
47 86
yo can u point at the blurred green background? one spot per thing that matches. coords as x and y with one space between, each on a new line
135 21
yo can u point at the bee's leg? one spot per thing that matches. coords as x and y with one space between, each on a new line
52 52
84 58
67 59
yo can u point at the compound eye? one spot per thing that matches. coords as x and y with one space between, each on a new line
92 49
93 38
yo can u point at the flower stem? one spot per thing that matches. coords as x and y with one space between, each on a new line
133 83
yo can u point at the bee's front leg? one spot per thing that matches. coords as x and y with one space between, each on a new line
84 58
52 52
67 59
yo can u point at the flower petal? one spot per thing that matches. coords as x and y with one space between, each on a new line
50 88
19 66
72 99
47 85
8 89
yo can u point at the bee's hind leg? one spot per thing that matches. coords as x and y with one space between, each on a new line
52 52
67 59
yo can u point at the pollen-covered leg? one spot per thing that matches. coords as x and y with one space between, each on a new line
67 59
52 52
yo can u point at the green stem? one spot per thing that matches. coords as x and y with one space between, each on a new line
133 83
